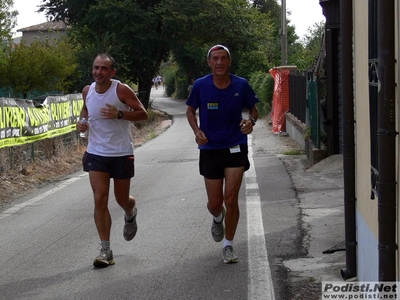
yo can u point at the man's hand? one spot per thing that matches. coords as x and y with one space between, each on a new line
109 112
246 126
82 126
201 138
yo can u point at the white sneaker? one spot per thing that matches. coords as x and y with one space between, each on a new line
228 255
104 259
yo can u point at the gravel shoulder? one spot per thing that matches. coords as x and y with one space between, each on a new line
17 183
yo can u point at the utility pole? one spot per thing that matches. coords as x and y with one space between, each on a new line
283 34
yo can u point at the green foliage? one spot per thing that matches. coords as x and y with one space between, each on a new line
304 54
242 28
294 152
272 44
251 62
181 87
169 75
7 20
234 23
263 85
143 34
131 31
37 68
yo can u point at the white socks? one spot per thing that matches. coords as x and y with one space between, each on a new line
218 219
227 243
129 219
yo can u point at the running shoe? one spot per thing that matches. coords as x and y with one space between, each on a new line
104 259
130 228
229 256
217 229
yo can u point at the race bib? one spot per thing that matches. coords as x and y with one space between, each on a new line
235 149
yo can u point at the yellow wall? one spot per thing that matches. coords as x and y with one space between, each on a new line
367 207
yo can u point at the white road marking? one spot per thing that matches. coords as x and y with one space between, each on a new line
17 207
260 278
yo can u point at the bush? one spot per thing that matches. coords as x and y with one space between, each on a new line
181 87
263 85
175 81
169 75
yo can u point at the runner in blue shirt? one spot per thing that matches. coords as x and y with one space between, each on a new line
221 135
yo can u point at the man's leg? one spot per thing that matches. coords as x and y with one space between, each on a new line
121 192
233 181
128 203
214 188
215 206
100 183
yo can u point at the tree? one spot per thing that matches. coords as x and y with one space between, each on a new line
7 19
304 54
132 32
37 68
272 9
233 23
141 34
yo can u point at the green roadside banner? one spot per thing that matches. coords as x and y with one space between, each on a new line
26 121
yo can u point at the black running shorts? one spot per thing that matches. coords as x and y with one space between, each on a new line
212 163
122 167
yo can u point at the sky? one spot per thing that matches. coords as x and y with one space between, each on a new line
27 15
304 13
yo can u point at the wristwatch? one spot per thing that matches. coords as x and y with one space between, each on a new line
252 121
120 114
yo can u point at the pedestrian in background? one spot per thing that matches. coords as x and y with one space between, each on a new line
190 87
221 135
109 108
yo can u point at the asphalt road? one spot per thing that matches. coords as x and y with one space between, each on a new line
48 239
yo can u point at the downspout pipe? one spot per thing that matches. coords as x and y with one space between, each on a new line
346 64
386 184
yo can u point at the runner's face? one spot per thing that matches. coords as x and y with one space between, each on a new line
219 62
102 71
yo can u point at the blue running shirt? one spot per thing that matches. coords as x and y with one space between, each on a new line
220 110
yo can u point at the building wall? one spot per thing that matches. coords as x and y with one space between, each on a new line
367 252
367 209
30 36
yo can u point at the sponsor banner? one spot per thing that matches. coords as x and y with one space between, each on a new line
360 290
26 121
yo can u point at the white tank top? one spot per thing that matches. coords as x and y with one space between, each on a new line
108 137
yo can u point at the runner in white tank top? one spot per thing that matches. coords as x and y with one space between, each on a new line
108 137
110 106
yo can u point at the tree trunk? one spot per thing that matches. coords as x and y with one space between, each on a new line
144 92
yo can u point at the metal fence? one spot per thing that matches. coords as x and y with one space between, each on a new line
19 157
305 103
314 110
298 95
